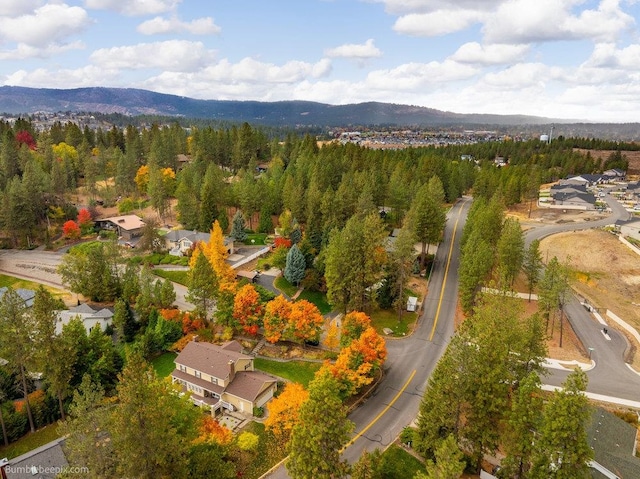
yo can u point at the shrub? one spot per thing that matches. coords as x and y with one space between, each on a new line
258 411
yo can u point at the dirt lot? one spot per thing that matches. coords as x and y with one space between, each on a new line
632 156
607 273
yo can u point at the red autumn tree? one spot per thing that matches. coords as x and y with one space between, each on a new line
71 230
276 318
84 220
305 322
24 137
282 241
247 309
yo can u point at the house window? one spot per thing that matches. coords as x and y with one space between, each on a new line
198 374
247 366
183 368
214 380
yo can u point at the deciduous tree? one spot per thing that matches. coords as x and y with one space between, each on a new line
276 318
284 412
247 309
305 322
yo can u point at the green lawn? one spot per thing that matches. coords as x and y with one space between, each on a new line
16 283
385 318
398 463
266 454
30 441
317 298
255 239
163 364
283 285
297 371
180 277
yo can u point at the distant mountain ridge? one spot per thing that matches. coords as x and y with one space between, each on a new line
129 101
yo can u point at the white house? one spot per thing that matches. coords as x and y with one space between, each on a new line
180 241
90 317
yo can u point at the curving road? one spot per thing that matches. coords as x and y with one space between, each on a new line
396 401
611 376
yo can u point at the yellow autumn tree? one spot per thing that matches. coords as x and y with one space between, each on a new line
142 178
276 318
284 412
217 254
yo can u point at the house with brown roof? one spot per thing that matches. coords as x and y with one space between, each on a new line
126 226
222 377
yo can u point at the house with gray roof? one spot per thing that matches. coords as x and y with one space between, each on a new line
44 462
614 443
27 295
222 377
180 241
91 317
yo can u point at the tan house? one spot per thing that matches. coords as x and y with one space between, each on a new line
126 226
221 376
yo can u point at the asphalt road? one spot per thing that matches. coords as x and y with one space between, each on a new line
611 376
411 360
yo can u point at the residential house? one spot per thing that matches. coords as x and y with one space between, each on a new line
180 241
572 196
222 377
27 295
127 226
614 443
90 317
586 179
615 174
44 462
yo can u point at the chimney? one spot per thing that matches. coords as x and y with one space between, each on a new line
232 370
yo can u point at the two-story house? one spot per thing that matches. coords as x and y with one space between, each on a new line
221 376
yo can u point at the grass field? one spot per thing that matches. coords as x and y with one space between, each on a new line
30 441
255 239
317 298
283 285
398 463
385 318
180 277
16 283
164 365
297 371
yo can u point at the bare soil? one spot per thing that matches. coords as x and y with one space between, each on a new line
632 156
607 273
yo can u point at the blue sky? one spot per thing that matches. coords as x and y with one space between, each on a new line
573 59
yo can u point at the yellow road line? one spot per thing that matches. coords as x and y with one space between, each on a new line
382 413
446 273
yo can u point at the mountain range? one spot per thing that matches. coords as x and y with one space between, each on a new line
128 101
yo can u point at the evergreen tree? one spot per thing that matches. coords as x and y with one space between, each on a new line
323 429
238 226
510 252
202 284
562 450
532 265
449 462
296 266
124 321
427 216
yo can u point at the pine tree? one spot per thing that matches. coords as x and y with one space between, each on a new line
295 266
510 252
532 265
238 232
323 429
202 284
449 462
562 450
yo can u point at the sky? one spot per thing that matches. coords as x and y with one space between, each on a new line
565 59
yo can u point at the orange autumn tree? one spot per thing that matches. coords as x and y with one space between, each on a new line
284 411
247 309
305 322
357 363
353 325
84 221
211 431
189 324
276 318
331 340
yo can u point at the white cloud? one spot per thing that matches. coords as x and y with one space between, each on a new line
160 25
172 55
23 51
355 51
527 21
414 76
400 7
436 23
46 25
88 76
134 7
495 54
14 8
